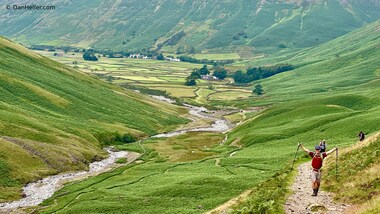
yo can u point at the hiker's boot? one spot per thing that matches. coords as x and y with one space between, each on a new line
314 192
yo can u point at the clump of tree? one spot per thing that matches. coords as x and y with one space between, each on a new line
204 70
114 138
256 73
49 48
190 81
103 52
258 90
160 57
192 78
205 61
220 72
90 56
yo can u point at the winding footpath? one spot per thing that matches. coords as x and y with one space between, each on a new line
301 201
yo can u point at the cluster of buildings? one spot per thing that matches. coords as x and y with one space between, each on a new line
172 59
139 56
209 77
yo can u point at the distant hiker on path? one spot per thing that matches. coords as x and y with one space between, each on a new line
316 163
323 145
361 136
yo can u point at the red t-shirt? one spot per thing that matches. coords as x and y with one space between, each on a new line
317 160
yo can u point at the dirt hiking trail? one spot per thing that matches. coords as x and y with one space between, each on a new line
301 201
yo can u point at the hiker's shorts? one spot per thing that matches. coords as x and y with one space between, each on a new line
316 175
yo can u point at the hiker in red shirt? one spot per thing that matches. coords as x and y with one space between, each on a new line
316 164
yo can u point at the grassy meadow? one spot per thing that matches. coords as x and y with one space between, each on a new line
214 56
358 177
330 98
50 116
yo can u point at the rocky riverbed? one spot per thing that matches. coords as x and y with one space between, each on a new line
36 192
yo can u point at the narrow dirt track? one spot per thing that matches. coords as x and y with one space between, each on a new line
301 201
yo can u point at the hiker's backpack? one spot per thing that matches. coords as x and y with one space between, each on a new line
323 146
317 161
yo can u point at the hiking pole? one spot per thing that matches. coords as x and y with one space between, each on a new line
336 164
295 155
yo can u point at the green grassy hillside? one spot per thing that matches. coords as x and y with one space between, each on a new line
184 26
359 176
321 100
349 64
49 115
331 98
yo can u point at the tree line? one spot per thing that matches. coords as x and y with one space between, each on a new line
90 53
256 73
205 61
219 72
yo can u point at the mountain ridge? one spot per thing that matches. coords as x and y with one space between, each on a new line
211 26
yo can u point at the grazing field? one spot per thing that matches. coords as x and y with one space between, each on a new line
165 76
173 90
221 56
167 187
202 95
50 116
269 142
235 117
230 95
186 147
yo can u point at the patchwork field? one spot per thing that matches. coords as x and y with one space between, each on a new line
221 56
167 77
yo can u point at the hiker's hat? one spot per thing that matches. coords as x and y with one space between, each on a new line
317 148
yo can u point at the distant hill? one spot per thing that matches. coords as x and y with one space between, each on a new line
332 98
51 117
189 25
333 95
